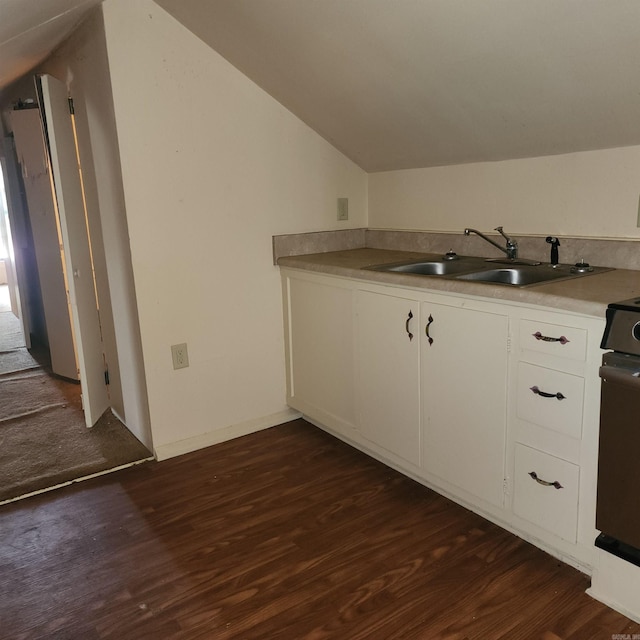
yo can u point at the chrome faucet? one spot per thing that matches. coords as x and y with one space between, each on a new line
511 249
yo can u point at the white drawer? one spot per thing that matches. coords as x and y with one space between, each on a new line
562 412
550 499
552 339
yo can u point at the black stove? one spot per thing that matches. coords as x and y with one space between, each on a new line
617 513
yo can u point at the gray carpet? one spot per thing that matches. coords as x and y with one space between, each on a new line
43 438
11 336
16 360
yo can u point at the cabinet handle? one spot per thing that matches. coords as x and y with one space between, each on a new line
426 329
406 326
545 394
562 339
545 483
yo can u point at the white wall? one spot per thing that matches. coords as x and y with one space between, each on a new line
593 194
212 168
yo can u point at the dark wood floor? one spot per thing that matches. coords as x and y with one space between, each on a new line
285 534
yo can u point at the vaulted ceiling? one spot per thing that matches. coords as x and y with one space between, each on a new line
412 83
398 84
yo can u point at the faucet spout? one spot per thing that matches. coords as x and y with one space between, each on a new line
512 245
511 250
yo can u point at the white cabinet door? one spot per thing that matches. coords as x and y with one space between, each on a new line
320 354
388 373
464 383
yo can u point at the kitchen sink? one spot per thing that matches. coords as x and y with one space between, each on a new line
512 272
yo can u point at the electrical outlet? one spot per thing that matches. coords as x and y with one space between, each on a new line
180 355
343 208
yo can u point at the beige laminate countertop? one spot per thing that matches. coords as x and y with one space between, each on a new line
588 295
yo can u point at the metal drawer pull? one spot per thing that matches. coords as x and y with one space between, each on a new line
545 394
406 326
545 483
426 329
562 339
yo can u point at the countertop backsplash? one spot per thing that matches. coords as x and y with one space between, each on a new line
618 254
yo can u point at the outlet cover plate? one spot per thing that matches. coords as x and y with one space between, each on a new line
180 355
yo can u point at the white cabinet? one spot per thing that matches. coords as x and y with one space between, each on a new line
388 373
319 349
554 429
464 395
490 403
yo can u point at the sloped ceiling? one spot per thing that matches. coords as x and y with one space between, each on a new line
396 84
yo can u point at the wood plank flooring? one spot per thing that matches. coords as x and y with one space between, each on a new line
288 534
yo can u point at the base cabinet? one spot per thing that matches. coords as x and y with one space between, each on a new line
490 403
464 395
554 427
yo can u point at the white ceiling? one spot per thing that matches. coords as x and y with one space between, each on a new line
397 84
31 29
411 83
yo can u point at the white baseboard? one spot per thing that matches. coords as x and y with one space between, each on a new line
173 449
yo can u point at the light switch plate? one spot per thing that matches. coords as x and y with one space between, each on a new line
343 208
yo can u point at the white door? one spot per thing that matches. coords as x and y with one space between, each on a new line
54 108
43 221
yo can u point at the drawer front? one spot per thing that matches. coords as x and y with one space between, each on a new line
551 399
552 339
552 507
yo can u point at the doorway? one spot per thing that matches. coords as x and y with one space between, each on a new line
47 154
25 369
45 443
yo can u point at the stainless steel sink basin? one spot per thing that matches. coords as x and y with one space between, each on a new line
517 273
518 276
435 267
449 264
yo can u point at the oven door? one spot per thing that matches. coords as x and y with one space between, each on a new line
618 502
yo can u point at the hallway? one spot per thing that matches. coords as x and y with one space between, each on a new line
44 442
